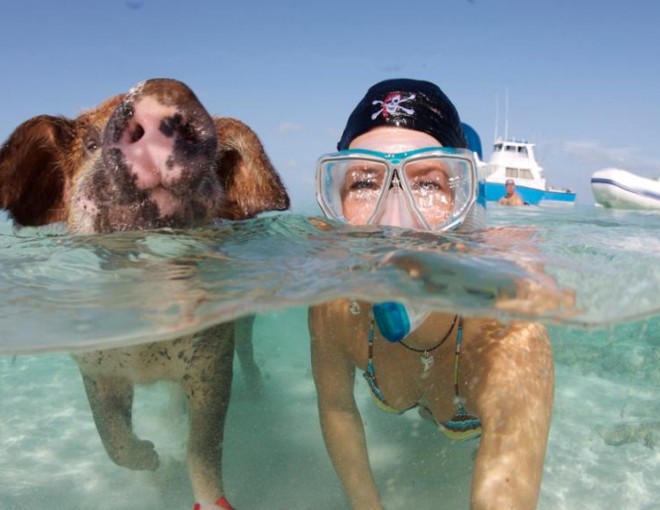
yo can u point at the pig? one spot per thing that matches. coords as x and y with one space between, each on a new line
149 158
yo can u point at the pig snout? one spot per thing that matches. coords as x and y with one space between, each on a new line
157 165
161 136
146 144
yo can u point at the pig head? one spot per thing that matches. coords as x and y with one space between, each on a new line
150 158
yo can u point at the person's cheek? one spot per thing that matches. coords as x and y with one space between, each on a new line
439 212
355 212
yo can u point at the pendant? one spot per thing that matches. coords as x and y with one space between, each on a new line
354 307
427 360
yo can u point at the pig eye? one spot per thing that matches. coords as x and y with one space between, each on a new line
91 142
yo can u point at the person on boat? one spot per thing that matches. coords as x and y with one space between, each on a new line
402 161
511 197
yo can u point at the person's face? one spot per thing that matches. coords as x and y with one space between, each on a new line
428 181
510 188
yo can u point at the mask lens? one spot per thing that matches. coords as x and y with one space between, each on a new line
363 184
440 187
352 188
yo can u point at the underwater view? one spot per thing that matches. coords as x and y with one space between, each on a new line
590 274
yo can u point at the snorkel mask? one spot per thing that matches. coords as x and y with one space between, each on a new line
433 188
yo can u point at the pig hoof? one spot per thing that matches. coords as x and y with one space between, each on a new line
142 456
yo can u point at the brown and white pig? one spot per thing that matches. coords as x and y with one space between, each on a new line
150 158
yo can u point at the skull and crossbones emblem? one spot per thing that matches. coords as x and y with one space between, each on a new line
392 104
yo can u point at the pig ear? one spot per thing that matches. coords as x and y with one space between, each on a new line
250 182
32 170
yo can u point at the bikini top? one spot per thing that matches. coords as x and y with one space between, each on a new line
462 425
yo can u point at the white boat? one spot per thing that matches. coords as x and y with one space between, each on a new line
514 159
620 189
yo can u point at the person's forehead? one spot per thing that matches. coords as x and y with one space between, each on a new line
393 139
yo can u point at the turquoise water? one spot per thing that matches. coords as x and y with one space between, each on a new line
592 275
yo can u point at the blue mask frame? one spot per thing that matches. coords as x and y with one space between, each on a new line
327 187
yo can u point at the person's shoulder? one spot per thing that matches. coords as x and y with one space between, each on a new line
340 315
336 307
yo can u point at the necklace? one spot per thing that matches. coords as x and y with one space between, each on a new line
426 357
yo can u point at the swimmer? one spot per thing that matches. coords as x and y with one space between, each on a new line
511 197
402 161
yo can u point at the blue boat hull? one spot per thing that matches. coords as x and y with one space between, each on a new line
495 191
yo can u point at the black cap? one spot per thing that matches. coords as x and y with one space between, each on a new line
412 104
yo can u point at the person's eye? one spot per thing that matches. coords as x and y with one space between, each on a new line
429 184
363 178
427 177
363 184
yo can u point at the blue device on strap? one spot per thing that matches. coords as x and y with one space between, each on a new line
392 319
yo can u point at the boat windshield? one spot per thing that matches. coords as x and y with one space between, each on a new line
519 149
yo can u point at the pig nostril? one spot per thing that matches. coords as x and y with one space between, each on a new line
178 125
169 125
137 134
189 133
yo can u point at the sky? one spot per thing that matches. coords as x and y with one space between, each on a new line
579 78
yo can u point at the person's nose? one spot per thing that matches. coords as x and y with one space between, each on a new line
396 211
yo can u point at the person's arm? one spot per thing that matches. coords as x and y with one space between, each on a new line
537 292
343 430
513 388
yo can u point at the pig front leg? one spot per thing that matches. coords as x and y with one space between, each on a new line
111 402
208 387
